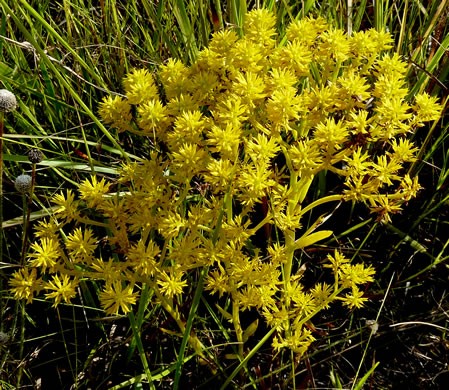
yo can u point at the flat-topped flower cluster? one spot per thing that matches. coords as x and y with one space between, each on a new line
237 139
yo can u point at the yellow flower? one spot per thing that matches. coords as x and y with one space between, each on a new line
225 140
403 151
331 135
143 257
117 111
188 161
171 284
81 246
282 108
93 191
247 56
217 281
305 304
254 181
353 274
251 89
391 65
337 261
306 30
298 342
359 122
25 283
384 207
355 299
219 173
364 45
222 42
46 229
294 56
68 207
139 86
427 108
175 78
204 87
409 187
115 297
306 157
64 289
259 27
353 91
321 294
46 254
359 190
386 171
188 128
390 87
153 117
110 271
179 104
230 110
358 163
171 223
334 46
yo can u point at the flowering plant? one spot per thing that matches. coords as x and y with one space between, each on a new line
237 139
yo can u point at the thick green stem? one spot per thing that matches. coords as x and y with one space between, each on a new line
237 326
289 244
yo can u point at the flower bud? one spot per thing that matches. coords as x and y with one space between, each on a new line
35 156
23 183
8 101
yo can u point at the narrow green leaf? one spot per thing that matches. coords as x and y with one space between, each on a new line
362 381
250 330
311 239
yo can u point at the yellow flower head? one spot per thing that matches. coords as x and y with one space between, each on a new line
116 296
62 287
24 284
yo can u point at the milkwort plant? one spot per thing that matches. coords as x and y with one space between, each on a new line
247 126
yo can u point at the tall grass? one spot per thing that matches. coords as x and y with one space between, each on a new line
60 59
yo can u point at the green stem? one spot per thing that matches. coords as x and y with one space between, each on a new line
244 362
170 309
330 198
141 350
237 326
261 224
289 244
26 222
22 339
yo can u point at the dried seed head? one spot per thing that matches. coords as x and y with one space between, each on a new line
23 183
8 101
35 156
4 338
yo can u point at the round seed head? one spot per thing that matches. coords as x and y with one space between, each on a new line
23 183
8 101
4 338
35 156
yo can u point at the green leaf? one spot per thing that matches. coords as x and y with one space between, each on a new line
362 381
311 239
250 330
224 313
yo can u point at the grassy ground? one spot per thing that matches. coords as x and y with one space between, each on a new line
61 58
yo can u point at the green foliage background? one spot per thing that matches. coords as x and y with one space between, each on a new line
62 58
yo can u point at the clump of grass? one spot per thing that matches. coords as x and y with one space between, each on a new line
225 121
103 66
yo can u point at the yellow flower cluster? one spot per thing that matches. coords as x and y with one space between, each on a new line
238 138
